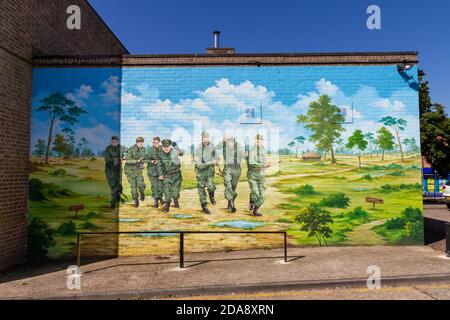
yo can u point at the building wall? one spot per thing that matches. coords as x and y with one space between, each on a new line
27 29
179 103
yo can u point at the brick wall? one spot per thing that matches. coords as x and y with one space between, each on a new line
30 28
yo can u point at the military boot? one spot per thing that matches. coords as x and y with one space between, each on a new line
229 206
142 196
156 205
233 207
251 205
136 203
161 201
166 206
256 213
113 204
211 198
175 203
205 209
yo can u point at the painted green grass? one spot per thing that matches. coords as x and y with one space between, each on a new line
87 179
356 188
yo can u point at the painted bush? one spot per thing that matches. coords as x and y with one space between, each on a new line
335 136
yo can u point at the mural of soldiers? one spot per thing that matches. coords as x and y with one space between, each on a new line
152 160
233 154
257 162
205 159
169 170
113 169
134 170
180 154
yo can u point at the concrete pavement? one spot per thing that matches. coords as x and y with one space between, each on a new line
422 291
226 272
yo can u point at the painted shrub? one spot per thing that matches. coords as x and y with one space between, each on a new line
343 143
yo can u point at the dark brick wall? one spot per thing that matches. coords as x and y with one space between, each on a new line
28 28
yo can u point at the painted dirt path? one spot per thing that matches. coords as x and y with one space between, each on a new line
364 234
190 217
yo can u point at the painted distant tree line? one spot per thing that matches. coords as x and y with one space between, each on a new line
65 111
325 121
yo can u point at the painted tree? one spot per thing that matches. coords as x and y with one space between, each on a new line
291 145
70 142
40 148
325 120
411 145
397 125
59 108
385 140
340 146
315 221
357 141
300 140
370 137
59 145
82 145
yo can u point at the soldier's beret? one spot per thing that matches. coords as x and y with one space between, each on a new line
166 142
157 139
140 139
114 138
259 137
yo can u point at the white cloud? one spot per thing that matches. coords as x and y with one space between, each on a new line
323 87
218 109
80 94
227 95
392 105
326 87
111 87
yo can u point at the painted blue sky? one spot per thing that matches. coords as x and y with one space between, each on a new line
151 105
215 101
179 26
97 91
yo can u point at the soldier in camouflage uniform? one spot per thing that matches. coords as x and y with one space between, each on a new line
233 154
205 159
152 160
169 170
113 169
257 162
134 170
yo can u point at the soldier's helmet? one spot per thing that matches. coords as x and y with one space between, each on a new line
259 137
140 139
157 139
205 134
167 143
115 138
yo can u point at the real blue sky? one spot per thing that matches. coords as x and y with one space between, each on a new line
185 26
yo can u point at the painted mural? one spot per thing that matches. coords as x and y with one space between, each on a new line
331 154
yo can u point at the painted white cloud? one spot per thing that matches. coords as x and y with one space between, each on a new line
385 103
80 94
326 87
218 109
227 95
111 88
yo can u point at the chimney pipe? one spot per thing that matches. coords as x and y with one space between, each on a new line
217 49
216 39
